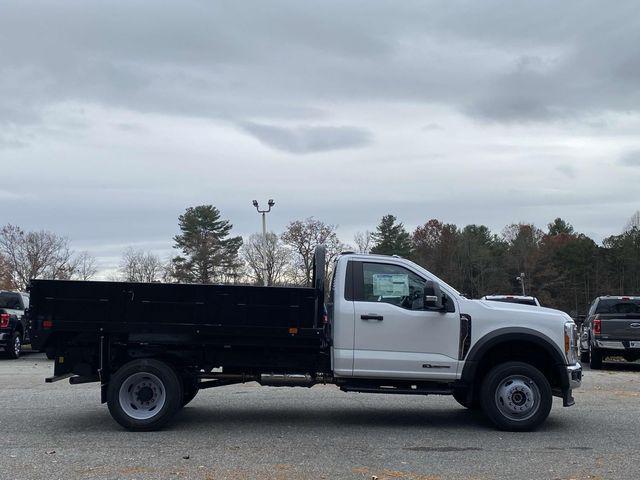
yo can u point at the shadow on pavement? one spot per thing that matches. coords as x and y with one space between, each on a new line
242 420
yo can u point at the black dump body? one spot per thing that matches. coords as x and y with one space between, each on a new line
89 326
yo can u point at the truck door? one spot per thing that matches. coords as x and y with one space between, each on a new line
395 336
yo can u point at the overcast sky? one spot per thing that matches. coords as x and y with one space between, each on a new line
116 116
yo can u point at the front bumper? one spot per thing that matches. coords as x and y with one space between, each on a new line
574 372
574 377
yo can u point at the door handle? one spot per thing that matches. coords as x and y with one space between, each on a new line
372 316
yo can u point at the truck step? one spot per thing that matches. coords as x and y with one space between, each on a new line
399 390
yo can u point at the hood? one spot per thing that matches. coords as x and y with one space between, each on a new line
523 312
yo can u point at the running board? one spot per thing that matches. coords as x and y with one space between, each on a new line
58 377
419 390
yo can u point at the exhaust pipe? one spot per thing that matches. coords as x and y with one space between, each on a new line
286 380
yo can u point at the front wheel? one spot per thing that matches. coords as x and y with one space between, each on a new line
144 394
14 348
462 397
516 396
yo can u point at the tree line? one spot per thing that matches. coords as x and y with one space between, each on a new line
565 269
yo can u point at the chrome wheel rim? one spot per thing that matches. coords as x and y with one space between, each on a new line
142 396
17 346
517 397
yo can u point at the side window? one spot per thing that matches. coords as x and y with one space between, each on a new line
392 284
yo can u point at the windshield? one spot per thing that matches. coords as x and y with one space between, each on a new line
10 300
618 306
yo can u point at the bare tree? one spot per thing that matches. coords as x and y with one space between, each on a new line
266 257
633 222
303 236
363 241
83 266
140 266
40 254
6 279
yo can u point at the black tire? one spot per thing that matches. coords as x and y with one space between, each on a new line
14 348
584 356
516 382
50 355
189 389
162 382
462 398
595 359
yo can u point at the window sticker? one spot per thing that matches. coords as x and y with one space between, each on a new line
390 285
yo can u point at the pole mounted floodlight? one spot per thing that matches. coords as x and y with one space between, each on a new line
270 204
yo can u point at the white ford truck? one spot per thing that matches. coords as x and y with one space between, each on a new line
389 326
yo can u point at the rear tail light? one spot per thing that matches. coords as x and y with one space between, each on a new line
46 324
4 320
597 326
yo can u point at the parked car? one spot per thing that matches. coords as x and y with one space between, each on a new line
611 328
389 327
14 325
520 299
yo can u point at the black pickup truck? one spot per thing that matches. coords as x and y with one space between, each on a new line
14 324
611 328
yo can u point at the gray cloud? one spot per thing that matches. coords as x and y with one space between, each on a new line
630 159
308 139
568 170
529 61
120 115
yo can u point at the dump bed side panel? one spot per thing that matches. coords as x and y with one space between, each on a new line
170 309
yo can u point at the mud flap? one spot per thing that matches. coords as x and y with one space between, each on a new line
567 398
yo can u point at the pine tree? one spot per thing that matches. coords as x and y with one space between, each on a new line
391 238
208 253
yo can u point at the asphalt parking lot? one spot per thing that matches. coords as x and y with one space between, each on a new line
245 431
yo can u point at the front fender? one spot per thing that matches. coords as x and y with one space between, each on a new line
513 334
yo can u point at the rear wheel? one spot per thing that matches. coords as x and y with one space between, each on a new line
516 396
14 347
595 358
190 390
584 355
144 394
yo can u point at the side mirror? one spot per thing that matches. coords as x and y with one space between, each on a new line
432 296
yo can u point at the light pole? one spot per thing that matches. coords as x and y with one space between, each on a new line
270 203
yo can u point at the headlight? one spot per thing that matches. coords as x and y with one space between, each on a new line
571 342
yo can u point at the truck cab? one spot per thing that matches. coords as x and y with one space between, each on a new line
394 321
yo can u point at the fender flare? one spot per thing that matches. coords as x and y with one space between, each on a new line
510 334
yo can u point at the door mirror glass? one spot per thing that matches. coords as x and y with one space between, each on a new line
432 296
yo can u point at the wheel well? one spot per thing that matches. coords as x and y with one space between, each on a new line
518 351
